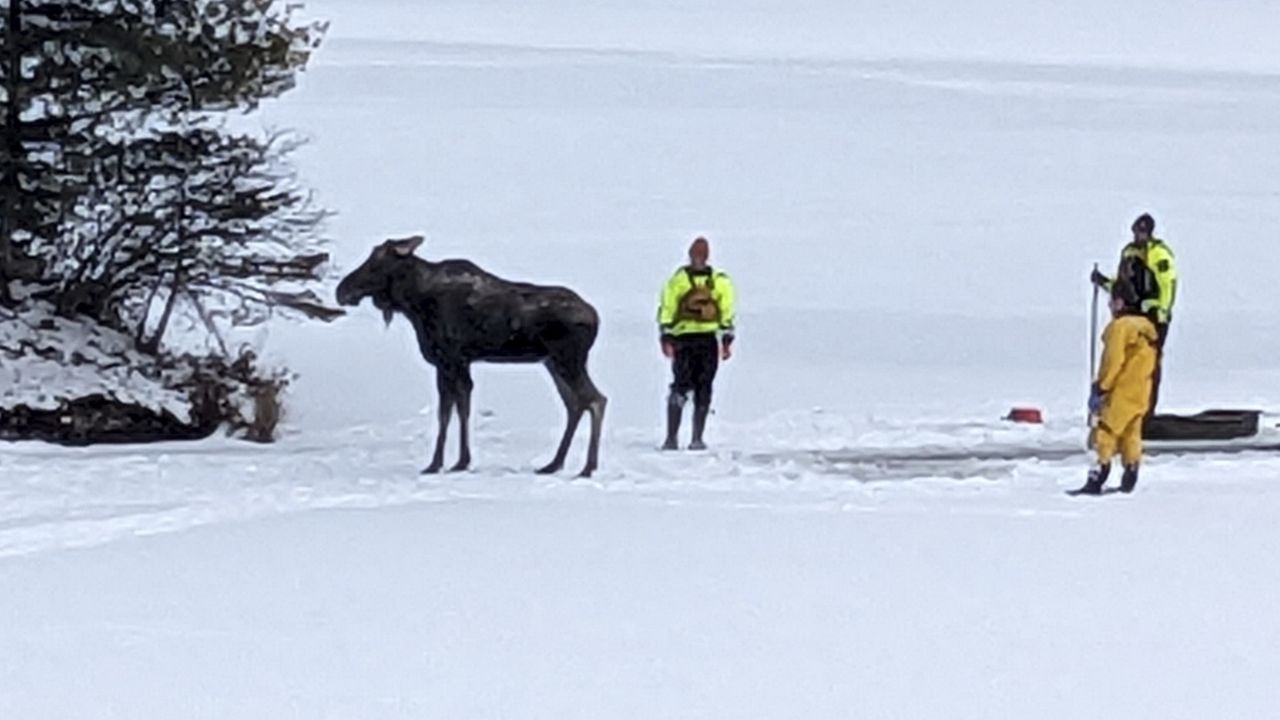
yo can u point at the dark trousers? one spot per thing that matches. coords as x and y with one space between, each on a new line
1162 334
694 368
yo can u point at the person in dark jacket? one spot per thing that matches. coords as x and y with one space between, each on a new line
1147 264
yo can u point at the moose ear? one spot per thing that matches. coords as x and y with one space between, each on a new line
406 246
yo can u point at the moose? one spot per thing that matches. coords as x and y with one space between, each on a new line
463 314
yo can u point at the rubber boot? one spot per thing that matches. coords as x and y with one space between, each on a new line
1130 479
1097 479
675 410
699 425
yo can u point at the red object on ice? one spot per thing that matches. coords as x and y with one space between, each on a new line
1025 415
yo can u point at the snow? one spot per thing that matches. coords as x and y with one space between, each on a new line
59 360
909 203
685 586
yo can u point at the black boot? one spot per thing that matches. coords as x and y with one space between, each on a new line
1130 479
1097 478
675 411
699 425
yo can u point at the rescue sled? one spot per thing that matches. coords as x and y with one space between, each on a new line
1212 431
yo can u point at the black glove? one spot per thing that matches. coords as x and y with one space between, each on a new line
1099 279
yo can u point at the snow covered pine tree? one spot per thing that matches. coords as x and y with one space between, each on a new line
125 204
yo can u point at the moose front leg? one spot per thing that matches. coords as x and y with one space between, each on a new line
462 399
445 395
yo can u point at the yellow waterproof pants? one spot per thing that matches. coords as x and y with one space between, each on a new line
1127 441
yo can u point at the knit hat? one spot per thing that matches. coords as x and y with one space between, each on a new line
1144 223
700 249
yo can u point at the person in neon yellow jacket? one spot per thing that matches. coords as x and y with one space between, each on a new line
696 320
1149 266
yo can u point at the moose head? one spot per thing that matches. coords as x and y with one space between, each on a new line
375 276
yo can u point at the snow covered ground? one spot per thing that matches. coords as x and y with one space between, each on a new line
326 580
911 237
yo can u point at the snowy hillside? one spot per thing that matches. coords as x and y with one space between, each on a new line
911 236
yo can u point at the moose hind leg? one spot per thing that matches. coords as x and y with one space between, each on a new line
574 411
595 402
445 402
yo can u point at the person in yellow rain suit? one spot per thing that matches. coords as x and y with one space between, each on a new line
1121 394
695 319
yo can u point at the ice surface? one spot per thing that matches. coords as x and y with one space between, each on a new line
909 236
1159 33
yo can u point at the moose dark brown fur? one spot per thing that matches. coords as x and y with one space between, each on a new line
462 315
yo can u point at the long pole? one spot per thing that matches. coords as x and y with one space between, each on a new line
1093 353
1093 332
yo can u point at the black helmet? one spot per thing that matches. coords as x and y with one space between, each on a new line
1144 223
